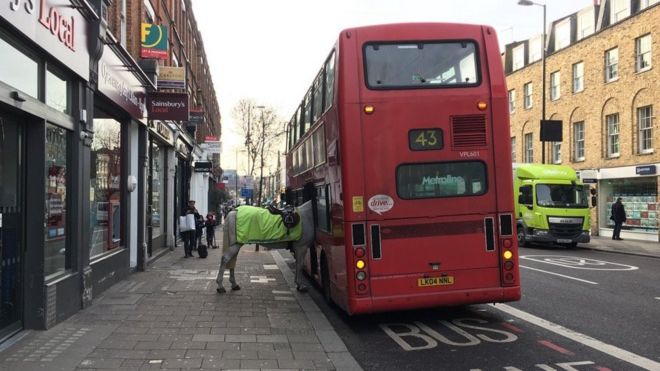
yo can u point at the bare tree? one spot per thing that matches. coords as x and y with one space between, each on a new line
263 131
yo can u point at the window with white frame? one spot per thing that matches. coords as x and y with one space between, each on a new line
643 4
528 91
512 100
563 34
645 127
643 53
556 152
585 23
518 57
612 127
619 9
612 64
555 92
535 49
513 149
578 141
529 148
578 77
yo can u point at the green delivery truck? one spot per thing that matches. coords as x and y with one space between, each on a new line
552 205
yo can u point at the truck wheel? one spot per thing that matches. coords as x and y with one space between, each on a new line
521 237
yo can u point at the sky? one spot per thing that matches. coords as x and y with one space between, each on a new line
271 50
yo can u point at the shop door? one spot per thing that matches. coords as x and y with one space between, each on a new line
11 222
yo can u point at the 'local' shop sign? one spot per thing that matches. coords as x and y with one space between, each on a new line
167 106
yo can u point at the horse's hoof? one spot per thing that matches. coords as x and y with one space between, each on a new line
302 288
221 290
235 288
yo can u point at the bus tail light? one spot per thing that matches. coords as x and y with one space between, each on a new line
508 263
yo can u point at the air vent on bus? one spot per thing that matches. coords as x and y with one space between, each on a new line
468 131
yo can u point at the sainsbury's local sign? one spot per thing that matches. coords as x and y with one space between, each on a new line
56 26
167 106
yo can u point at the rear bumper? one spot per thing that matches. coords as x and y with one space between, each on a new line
435 299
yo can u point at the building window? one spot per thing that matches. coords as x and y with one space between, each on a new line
645 125
512 100
619 9
528 91
519 57
57 91
612 65
105 185
56 243
18 70
563 34
578 141
513 149
643 4
535 49
555 92
578 77
529 148
612 123
556 152
643 53
585 23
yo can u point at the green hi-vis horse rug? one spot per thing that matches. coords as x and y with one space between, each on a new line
258 225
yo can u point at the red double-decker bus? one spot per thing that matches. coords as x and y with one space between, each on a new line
403 143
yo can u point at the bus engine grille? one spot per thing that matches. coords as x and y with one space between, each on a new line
468 131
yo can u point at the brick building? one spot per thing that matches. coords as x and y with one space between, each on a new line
601 83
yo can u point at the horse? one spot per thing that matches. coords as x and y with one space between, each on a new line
299 246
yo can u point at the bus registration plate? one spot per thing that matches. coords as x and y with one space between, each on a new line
435 281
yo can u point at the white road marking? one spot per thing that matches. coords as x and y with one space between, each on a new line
657 297
583 339
561 275
579 263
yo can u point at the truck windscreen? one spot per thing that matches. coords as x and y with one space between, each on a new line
562 195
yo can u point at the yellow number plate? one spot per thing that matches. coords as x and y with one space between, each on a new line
435 281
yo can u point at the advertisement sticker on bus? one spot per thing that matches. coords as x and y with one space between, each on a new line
358 204
380 203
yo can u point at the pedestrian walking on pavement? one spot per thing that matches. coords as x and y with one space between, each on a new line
618 217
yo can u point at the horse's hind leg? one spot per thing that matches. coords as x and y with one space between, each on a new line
226 257
299 253
232 280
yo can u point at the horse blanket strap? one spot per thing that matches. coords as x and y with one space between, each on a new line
258 225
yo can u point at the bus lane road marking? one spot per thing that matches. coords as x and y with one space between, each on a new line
557 274
579 263
583 339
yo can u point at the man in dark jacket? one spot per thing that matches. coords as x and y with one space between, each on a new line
618 217
190 237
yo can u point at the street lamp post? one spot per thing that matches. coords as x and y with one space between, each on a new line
543 52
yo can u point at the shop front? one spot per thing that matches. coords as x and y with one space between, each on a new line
158 213
637 186
44 70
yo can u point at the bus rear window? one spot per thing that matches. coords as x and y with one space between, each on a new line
421 64
441 179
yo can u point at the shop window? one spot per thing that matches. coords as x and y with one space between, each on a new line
56 243
18 70
57 91
105 185
157 189
640 199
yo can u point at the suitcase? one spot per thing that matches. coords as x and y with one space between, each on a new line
202 251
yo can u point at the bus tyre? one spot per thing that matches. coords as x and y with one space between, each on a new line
521 237
325 280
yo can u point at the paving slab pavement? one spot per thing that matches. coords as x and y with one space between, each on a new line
170 317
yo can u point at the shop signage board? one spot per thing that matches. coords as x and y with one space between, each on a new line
211 138
214 147
196 117
120 85
167 106
203 166
154 41
56 26
645 170
172 78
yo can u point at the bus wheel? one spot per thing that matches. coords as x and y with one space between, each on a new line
521 237
325 280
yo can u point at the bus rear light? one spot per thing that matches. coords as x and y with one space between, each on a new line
369 109
482 106
508 277
362 287
508 265
360 264
361 275
507 243
508 255
359 252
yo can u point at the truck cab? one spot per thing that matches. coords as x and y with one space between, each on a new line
551 205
